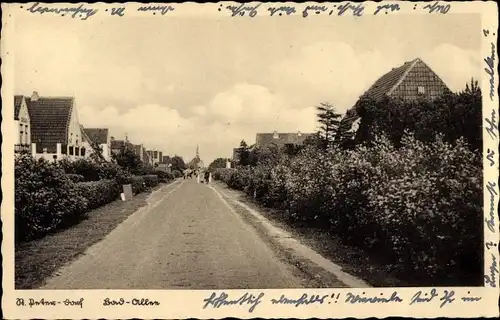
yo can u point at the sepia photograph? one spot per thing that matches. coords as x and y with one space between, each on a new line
217 152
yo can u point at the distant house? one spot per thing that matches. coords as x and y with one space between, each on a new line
412 81
22 123
117 145
266 140
236 155
55 127
100 136
155 156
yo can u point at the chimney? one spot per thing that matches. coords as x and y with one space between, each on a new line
34 96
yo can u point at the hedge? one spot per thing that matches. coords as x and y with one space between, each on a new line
419 206
45 198
99 193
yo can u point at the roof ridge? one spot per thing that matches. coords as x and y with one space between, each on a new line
412 64
68 121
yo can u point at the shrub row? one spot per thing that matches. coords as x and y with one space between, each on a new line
418 206
99 193
49 196
141 183
47 199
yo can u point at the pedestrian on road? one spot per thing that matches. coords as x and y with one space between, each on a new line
207 175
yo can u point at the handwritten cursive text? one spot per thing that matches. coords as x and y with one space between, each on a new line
304 299
351 298
80 11
491 279
222 300
490 70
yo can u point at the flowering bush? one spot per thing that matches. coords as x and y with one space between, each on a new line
99 193
138 184
418 205
75 177
151 180
45 198
164 176
177 173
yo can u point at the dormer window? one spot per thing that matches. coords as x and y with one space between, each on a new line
44 150
421 90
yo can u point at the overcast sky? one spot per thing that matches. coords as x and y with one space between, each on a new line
173 83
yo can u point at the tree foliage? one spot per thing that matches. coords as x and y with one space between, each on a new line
452 115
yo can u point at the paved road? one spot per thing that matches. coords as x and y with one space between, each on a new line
187 239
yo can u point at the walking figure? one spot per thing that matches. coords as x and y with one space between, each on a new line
207 176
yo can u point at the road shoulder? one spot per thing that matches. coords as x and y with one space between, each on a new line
321 271
38 260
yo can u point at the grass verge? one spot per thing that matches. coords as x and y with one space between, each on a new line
352 260
38 259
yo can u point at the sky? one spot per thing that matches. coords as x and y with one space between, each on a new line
175 83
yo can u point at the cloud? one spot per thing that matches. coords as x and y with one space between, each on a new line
234 114
454 65
332 71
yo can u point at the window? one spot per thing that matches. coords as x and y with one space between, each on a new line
21 136
26 136
421 90
70 151
44 150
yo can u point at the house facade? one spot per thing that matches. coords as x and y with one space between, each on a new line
412 81
101 137
280 140
155 156
55 129
22 123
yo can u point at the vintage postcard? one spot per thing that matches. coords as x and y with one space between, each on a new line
250 160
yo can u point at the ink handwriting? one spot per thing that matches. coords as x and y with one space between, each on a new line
317 9
287 10
162 9
436 7
387 7
490 222
357 9
118 11
304 299
447 298
490 156
492 125
490 70
222 300
421 297
491 278
242 9
351 298
83 13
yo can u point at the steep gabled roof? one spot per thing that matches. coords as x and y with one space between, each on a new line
50 118
266 139
98 135
18 100
389 81
85 136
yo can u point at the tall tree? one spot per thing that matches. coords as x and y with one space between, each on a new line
218 163
127 159
329 121
178 163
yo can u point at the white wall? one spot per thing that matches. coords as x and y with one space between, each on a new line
24 120
74 129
